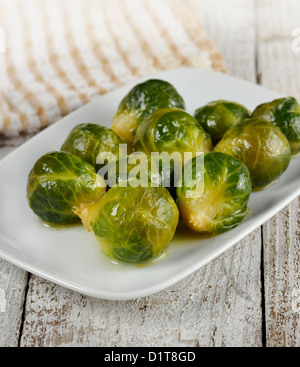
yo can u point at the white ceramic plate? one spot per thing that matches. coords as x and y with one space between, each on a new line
70 256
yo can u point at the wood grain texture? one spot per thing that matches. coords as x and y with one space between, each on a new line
13 283
279 67
12 294
231 24
282 281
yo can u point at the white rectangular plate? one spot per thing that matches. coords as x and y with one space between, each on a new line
70 256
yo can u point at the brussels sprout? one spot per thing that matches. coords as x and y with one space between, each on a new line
172 130
86 141
223 204
58 183
133 225
140 102
285 114
218 116
261 146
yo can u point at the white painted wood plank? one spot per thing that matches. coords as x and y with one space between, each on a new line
280 70
218 305
13 283
282 280
5 151
231 25
13 142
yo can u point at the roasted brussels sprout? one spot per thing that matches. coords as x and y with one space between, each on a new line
133 225
172 130
140 102
218 116
223 203
58 183
261 146
285 114
86 141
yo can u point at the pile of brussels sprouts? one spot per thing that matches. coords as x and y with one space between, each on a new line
238 152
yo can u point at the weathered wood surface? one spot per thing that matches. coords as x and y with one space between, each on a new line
13 283
226 303
279 69
215 306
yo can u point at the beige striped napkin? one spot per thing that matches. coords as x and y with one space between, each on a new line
60 54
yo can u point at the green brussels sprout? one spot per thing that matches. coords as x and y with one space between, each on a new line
140 102
172 130
86 141
58 183
261 146
133 225
218 116
222 205
285 114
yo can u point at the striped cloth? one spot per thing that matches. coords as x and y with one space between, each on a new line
60 54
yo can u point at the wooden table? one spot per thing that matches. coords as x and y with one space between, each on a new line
249 296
